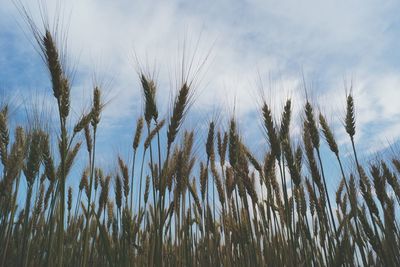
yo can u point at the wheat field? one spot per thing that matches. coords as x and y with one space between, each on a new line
174 208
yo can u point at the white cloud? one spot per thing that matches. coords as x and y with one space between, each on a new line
325 39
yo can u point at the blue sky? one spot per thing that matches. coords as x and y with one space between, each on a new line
274 43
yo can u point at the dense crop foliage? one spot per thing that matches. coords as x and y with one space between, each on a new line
174 208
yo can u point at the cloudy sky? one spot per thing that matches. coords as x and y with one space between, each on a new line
249 47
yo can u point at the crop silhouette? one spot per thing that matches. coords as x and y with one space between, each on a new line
173 208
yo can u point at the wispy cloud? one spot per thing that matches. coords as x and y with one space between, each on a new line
326 40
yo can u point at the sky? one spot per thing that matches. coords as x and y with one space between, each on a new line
250 49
